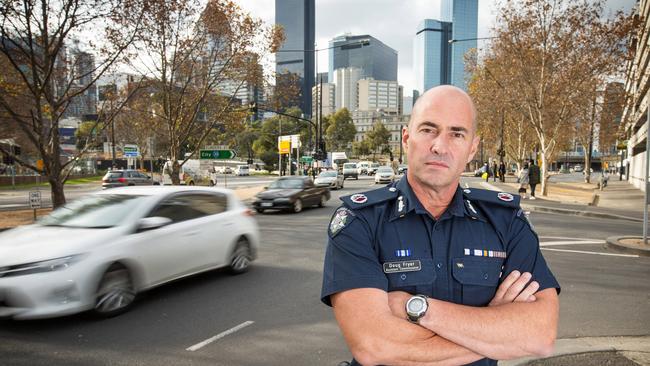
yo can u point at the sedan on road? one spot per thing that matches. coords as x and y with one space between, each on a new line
385 174
330 178
126 177
97 253
292 194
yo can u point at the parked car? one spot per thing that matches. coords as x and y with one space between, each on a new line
385 174
126 177
190 174
577 168
242 170
330 178
98 252
362 167
350 171
291 193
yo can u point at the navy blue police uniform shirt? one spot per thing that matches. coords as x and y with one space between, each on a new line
385 239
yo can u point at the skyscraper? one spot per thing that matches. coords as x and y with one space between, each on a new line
298 19
464 19
375 59
347 87
432 56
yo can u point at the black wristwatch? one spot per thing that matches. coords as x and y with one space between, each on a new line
416 308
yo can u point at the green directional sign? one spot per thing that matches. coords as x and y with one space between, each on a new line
217 154
306 159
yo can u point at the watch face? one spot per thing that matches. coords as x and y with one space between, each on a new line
416 305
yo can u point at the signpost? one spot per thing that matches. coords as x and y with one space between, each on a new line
35 201
131 151
217 154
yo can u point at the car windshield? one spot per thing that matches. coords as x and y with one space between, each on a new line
385 169
351 165
113 174
286 183
327 174
374 165
97 211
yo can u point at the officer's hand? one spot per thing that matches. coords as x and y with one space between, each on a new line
514 289
397 302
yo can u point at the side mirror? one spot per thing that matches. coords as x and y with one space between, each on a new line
151 223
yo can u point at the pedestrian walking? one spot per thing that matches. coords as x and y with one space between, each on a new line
423 271
495 171
502 172
486 171
534 177
523 181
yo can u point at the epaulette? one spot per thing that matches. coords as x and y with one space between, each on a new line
498 198
365 199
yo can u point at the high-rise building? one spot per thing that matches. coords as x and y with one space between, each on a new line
328 100
373 57
298 19
464 20
82 63
407 105
346 80
431 54
380 95
322 76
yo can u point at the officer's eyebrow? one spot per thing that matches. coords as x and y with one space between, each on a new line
437 126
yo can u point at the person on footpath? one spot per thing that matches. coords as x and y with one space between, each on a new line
523 181
495 170
424 272
533 177
502 172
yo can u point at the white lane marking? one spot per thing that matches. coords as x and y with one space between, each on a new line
566 242
491 187
219 336
564 238
594 253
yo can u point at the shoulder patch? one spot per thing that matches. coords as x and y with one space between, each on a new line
499 198
342 217
365 199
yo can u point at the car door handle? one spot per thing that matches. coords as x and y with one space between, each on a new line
192 233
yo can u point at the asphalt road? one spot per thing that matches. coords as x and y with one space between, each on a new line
272 315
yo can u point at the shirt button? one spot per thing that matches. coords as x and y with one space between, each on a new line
439 265
403 277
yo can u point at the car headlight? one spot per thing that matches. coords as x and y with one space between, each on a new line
49 265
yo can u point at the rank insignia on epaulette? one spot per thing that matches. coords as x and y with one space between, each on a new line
341 218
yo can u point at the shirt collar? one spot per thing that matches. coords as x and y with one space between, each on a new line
407 201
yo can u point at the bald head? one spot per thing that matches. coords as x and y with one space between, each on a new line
445 96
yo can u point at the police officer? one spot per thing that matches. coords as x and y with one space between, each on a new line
423 271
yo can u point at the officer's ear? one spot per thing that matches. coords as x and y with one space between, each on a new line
405 137
472 152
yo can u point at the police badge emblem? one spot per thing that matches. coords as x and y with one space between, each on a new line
358 198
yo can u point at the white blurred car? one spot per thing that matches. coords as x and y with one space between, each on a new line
329 178
384 174
97 253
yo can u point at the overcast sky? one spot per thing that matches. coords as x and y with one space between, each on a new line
393 22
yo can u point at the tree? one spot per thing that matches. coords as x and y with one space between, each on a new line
49 67
378 137
88 135
340 130
549 52
200 56
361 148
245 140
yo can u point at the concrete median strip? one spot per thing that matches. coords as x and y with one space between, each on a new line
220 335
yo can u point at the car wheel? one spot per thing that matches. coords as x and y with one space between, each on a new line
191 183
241 257
115 292
259 210
323 201
297 206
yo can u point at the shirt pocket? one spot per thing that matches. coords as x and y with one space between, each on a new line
415 281
478 278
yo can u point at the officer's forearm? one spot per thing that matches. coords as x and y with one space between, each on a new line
377 337
499 332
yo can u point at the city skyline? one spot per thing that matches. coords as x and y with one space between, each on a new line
396 30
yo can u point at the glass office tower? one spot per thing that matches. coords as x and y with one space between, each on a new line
432 56
376 60
298 19
464 19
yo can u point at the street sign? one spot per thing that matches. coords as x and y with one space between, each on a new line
306 159
217 154
285 147
131 151
35 199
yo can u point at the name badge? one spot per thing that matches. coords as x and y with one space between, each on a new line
403 266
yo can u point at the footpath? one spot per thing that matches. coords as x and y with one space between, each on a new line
620 201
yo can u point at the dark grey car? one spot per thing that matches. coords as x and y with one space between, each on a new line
126 177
